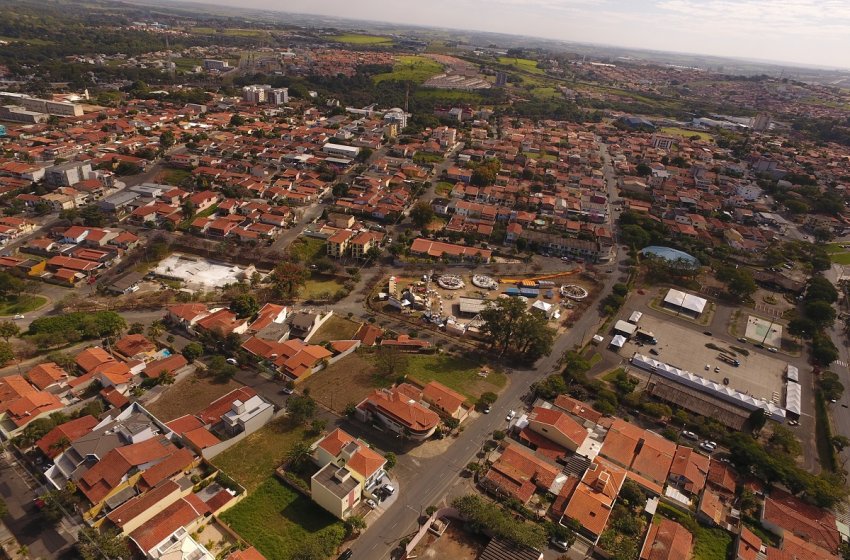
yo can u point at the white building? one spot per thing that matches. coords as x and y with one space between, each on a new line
341 150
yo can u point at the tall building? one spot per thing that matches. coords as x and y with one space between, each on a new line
255 94
761 122
278 96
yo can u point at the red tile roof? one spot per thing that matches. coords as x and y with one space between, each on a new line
169 364
219 407
179 514
247 554
795 516
667 541
71 430
138 505
46 374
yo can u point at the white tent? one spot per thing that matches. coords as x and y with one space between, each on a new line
543 306
792 373
625 328
686 301
793 398
707 386
618 341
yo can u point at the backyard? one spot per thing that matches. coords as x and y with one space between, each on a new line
188 396
335 328
410 68
267 449
283 525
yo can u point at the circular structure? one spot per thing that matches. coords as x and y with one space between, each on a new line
573 291
450 282
672 256
485 282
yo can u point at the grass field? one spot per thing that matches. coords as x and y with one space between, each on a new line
685 133
231 32
838 254
357 39
267 448
411 68
21 304
524 64
456 372
283 524
712 544
444 188
308 249
319 287
447 96
188 396
546 92
335 328
175 176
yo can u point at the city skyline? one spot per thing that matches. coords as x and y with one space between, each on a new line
766 30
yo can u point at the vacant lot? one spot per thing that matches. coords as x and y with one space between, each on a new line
283 524
320 287
685 133
456 372
356 39
455 543
524 64
308 249
335 328
411 68
175 176
188 396
349 380
253 460
712 544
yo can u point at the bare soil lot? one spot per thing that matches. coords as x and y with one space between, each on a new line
455 543
188 396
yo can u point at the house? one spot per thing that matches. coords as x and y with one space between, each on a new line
304 325
368 335
438 249
223 322
783 514
173 525
645 454
722 479
89 359
168 365
518 472
21 403
55 441
689 470
135 347
293 358
747 545
348 471
445 400
47 375
405 343
667 540
558 427
239 411
186 315
593 499
398 410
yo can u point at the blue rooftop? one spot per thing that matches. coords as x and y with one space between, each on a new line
669 254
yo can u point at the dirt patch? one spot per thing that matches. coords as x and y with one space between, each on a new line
349 380
188 396
455 543
335 328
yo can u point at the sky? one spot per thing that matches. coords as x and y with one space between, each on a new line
813 32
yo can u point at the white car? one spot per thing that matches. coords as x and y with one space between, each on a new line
705 447
772 349
371 504
232 361
690 435
510 415
19 316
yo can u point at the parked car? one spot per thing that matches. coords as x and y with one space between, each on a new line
690 435
558 544
772 349
487 409
705 447
345 555
742 339
653 351
793 423
371 504
510 415
707 333
19 316
286 391
232 361
389 489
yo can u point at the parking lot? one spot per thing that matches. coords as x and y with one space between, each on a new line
758 374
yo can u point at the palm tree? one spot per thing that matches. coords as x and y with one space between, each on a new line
297 455
156 329
61 444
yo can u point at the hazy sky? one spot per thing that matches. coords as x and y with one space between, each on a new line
802 31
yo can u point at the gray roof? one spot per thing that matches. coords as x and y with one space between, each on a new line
499 549
328 479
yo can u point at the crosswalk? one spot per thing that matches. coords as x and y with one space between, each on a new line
841 363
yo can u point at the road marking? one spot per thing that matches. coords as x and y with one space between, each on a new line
840 363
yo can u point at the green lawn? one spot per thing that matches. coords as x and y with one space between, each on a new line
283 524
524 64
357 39
546 92
187 64
448 96
712 544
319 286
685 133
422 158
308 249
21 304
335 328
456 372
267 448
838 254
411 68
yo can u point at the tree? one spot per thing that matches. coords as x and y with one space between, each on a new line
317 426
286 279
509 325
94 544
783 440
6 353
390 362
136 328
188 209
739 281
821 313
237 120
830 385
802 327
166 139
821 289
354 524
193 351
156 329
244 305
643 170
220 370
8 329
422 214
364 155
632 494
10 286
298 455
301 408
391 460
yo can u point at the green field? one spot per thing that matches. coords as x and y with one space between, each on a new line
838 254
357 39
712 544
187 64
685 133
444 188
448 96
283 524
308 249
31 41
267 448
230 32
524 64
412 68
335 328
21 304
176 176
320 287
456 372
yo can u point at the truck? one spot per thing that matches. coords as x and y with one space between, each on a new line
645 336
728 359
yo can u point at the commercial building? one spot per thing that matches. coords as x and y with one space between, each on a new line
218 65
341 150
68 174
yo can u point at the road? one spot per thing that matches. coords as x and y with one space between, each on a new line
435 477
840 411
